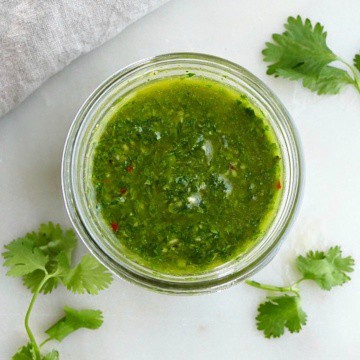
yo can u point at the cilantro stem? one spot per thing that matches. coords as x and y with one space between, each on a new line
27 316
354 72
44 342
291 288
297 282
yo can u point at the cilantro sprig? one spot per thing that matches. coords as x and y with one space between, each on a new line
43 260
301 53
326 269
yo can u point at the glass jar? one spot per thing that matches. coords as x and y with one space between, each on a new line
77 162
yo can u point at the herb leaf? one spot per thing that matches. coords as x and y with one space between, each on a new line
59 265
357 61
278 313
301 48
329 80
53 355
51 240
23 258
88 276
32 281
26 352
74 320
327 269
38 253
301 53
43 259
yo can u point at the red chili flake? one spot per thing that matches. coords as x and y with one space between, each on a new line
123 191
232 167
129 168
115 226
278 185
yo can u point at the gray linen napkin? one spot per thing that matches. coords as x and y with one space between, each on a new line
40 37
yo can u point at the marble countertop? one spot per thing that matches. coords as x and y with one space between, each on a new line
143 325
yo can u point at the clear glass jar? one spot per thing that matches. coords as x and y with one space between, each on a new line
77 161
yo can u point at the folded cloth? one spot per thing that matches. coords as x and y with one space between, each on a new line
38 38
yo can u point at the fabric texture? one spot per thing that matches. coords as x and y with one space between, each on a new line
38 38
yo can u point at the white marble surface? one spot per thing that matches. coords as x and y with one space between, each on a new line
143 325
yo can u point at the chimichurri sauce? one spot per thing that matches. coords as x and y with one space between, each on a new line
186 174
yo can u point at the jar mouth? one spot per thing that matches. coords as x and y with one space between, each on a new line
79 148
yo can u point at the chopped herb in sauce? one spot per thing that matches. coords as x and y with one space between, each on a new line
186 174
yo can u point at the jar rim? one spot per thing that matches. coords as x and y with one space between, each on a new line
178 284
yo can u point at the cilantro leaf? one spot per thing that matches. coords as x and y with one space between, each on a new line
43 259
357 61
49 251
74 320
329 80
301 48
301 53
51 240
60 264
23 258
88 276
26 352
50 244
32 281
326 269
53 355
278 313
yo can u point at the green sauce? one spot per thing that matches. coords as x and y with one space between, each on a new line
186 174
